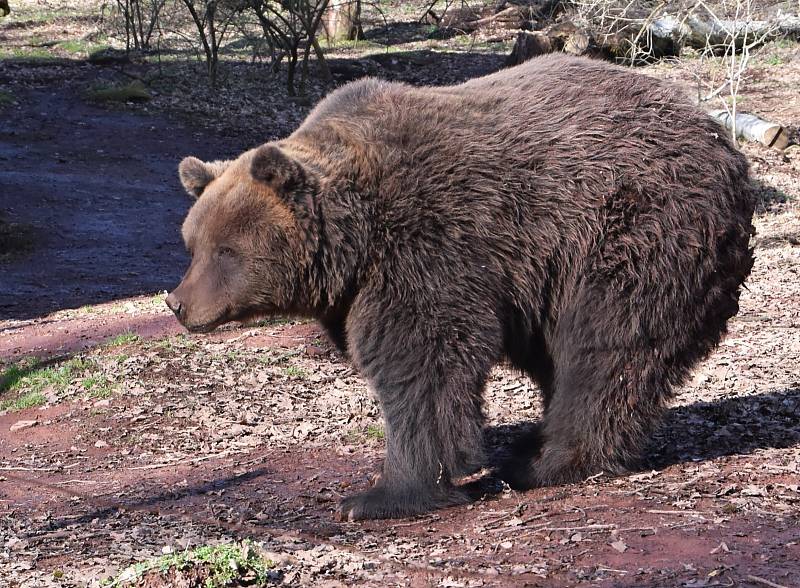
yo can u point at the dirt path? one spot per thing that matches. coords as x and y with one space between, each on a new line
98 190
97 484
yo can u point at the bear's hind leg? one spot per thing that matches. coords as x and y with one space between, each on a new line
608 393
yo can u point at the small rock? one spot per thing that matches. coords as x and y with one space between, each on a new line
237 430
23 425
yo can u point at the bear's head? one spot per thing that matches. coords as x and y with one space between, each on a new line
251 234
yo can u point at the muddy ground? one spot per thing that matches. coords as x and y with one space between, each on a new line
155 441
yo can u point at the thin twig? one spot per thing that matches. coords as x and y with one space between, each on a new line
22 469
759 580
154 466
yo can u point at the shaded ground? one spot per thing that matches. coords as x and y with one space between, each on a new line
99 193
163 441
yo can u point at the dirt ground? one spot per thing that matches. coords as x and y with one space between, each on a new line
157 441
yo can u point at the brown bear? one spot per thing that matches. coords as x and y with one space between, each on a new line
580 221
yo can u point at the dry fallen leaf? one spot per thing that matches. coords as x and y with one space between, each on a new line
619 545
721 547
753 490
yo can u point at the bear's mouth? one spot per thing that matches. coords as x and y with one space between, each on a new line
226 317
241 315
209 326
205 328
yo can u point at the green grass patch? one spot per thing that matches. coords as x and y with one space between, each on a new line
182 340
774 60
27 15
81 47
135 91
29 400
270 321
375 432
359 436
73 46
358 44
36 53
25 382
217 565
784 43
275 358
292 371
164 345
123 339
98 386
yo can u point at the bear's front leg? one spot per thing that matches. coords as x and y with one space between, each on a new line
414 479
430 388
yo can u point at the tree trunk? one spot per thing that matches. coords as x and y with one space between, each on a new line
342 21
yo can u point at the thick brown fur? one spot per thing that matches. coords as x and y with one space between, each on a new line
581 221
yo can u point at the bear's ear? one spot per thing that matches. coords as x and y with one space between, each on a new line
279 171
196 175
295 185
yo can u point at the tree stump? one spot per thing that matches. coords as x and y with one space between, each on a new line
528 45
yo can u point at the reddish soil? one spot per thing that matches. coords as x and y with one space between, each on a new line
548 537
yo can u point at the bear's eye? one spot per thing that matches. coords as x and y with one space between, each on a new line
225 252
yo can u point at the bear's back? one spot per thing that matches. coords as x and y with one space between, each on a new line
546 144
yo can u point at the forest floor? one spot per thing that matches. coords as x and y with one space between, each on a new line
124 439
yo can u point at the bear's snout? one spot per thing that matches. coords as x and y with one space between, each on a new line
197 315
175 305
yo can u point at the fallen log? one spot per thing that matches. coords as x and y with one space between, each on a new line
666 36
644 39
701 33
753 128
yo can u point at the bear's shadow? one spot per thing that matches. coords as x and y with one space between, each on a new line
689 433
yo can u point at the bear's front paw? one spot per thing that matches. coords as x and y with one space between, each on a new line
381 502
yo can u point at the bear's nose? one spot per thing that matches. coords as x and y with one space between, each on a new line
174 304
